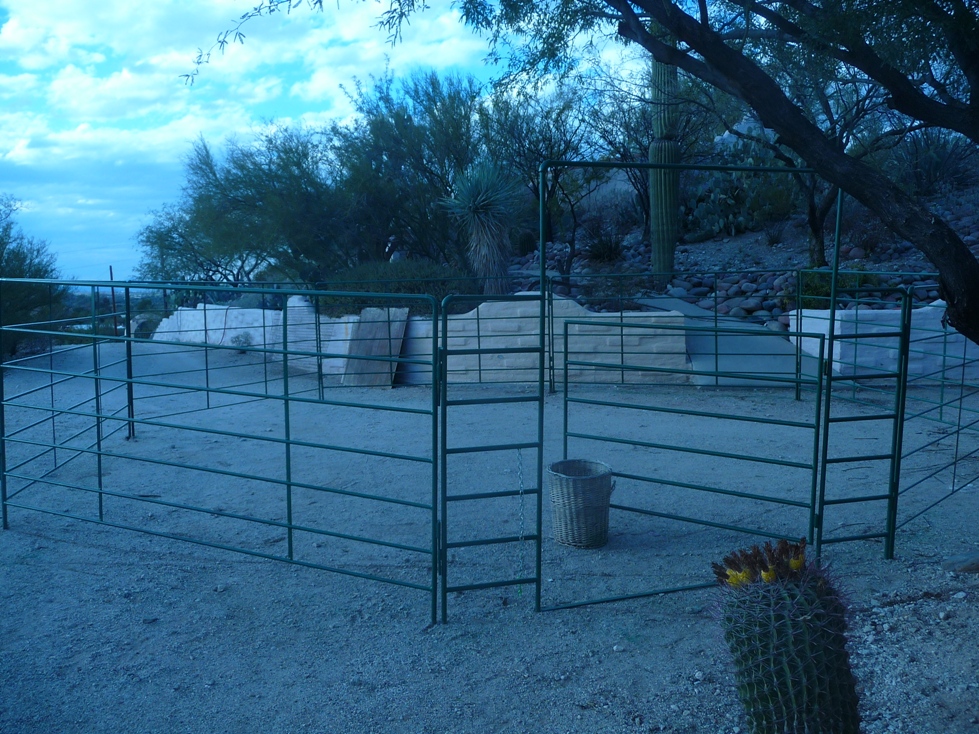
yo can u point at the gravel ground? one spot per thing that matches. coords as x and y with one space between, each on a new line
105 630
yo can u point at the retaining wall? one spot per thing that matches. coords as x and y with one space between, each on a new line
492 325
933 349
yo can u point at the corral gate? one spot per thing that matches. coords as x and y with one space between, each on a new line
482 472
769 461
96 430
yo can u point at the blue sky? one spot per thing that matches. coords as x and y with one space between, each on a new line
95 121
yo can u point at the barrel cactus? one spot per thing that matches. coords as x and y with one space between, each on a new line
786 627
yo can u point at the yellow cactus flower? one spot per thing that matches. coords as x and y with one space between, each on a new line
798 562
768 575
738 578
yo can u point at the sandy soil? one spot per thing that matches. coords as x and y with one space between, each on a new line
107 630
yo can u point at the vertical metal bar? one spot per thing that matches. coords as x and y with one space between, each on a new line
479 349
442 379
319 346
816 496
130 401
540 456
287 426
54 427
4 523
897 434
717 337
564 432
550 332
96 366
542 187
207 361
436 387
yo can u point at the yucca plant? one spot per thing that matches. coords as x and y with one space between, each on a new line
786 627
484 204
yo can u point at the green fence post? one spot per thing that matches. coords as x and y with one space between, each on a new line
3 421
286 424
207 352
434 362
96 381
130 401
897 436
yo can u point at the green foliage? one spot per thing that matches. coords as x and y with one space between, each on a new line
521 128
732 202
146 326
267 201
303 203
815 286
399 158
931 162
606 225
414 277
719 206
22 256
484 204
785 624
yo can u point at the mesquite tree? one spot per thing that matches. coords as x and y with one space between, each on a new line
923 53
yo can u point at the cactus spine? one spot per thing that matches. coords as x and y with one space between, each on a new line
786 627
664 184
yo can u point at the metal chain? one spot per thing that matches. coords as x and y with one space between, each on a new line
523 549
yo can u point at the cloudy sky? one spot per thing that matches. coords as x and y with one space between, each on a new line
95 120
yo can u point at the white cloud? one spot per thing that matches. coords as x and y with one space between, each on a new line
95 121
42 35
259 91
12 85
83 95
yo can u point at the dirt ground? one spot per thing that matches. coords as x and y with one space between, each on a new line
107 630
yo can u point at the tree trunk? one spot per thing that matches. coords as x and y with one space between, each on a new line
736 74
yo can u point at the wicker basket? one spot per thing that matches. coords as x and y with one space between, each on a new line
580 492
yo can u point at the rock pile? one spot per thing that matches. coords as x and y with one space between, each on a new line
745 277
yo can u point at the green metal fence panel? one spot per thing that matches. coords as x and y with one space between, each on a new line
490 483
676 466
235 428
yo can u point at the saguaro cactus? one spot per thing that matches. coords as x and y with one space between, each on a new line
786 627
664 184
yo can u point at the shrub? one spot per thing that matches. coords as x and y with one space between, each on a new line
242 341
604 237
815 286
934 161
25 257
409 277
